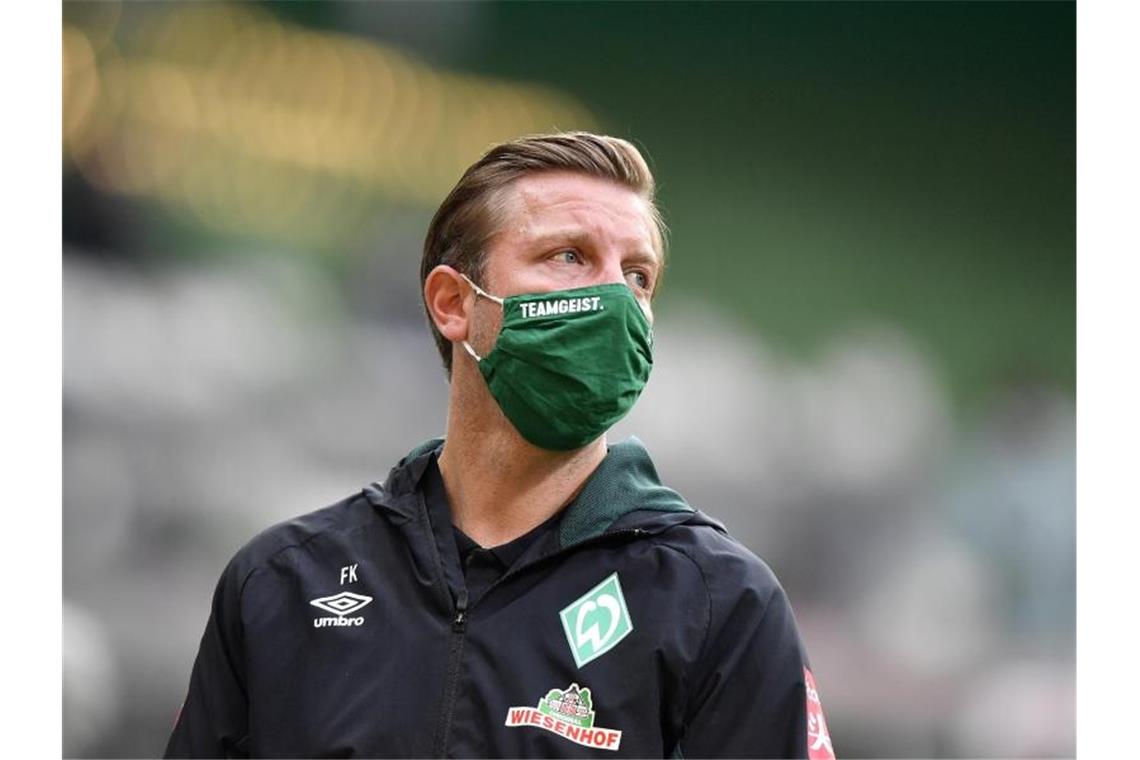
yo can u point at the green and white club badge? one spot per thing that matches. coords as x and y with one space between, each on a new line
596 621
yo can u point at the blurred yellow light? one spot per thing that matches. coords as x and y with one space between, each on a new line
258 127
78 54
80 83
170 97
98 21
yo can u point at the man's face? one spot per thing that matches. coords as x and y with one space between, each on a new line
557 231
564 230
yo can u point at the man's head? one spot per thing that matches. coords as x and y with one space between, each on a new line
542 213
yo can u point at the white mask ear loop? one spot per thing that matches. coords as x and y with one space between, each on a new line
471 351
480 290
488 296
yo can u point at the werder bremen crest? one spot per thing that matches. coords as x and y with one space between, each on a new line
596 621
569 713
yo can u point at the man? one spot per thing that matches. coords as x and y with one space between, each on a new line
522 588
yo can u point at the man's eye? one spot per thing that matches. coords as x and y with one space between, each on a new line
639 280
569 256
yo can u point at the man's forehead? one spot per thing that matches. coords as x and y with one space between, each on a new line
578 205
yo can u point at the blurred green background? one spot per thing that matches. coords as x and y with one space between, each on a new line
907 161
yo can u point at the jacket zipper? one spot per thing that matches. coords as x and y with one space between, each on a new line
459 632
454 666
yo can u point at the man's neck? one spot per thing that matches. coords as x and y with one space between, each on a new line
499 485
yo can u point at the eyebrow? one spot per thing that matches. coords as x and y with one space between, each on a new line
578 236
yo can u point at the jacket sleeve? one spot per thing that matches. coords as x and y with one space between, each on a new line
214 719
748 692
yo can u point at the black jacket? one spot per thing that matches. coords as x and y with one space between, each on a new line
348 632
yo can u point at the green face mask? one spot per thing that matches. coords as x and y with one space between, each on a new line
568 364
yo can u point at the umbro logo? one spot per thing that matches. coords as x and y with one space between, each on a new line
342 604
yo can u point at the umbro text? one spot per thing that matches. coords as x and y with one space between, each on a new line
324 622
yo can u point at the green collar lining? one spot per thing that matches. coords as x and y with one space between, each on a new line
625 481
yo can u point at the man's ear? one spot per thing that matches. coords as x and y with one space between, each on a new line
449 301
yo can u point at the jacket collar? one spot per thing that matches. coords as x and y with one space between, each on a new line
625 483
399 493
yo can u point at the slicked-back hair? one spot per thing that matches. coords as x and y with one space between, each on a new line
473 211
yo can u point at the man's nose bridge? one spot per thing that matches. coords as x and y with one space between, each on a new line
611 272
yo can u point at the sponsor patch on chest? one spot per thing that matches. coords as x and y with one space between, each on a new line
568 713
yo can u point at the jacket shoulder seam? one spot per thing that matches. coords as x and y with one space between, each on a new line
767 605
708 625
261 562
